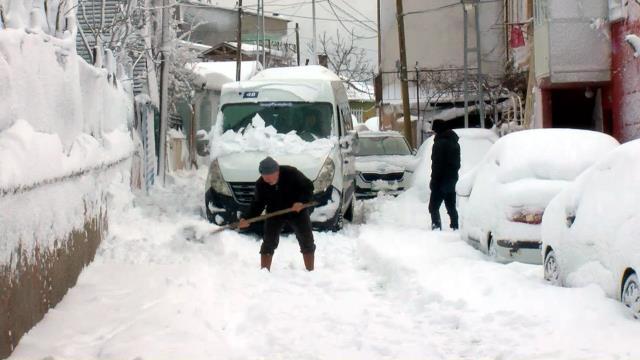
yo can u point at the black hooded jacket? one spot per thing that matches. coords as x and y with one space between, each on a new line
292 187
445 162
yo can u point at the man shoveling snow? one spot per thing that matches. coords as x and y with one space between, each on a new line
279 188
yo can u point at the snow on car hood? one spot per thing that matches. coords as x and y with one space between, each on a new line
385 164
239 153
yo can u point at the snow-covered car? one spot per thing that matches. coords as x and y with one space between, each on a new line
590 231
474 144
301 117
384 162
507 193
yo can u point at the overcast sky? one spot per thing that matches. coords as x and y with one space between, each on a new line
359 15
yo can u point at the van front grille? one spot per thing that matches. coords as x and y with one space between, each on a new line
243 192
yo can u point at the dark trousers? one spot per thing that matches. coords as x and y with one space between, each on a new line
435 202
301 225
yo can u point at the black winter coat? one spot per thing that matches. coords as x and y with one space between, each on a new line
292 187
445 162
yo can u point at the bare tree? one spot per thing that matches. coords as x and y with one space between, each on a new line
347 60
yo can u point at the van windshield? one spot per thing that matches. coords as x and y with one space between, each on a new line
309 120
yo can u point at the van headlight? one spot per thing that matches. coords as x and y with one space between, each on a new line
325 177
216 181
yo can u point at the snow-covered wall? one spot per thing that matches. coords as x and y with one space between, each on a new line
64 140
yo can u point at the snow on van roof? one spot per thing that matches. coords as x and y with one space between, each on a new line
214 74
311 72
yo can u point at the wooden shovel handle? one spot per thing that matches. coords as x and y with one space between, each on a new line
264 217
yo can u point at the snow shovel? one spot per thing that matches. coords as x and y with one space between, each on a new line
190 233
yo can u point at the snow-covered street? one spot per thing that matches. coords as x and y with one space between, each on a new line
384 288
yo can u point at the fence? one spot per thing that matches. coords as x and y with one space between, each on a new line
441 93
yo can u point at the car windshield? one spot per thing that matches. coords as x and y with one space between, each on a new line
309 120
382 146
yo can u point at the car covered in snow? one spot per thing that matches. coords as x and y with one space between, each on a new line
591 230
301 117
506 194
384 163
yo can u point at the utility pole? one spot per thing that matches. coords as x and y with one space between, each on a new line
467 5
404 76
164 92
239 42
313 43
479 56
264 41
258 32
298 43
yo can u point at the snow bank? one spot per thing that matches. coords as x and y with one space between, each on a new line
387 289
373 123
30 157
46 84
266 139
63 134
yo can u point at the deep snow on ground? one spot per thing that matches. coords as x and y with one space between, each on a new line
385 288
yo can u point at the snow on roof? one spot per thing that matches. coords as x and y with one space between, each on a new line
477 133
311 72
214 74
250 49
192 45
361 91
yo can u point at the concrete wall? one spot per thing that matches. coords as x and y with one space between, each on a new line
40 279
436 39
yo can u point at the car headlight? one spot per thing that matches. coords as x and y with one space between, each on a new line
325 177
216 181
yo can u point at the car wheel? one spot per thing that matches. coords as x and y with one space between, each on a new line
631 294
349 214
339 222
551 268
492 250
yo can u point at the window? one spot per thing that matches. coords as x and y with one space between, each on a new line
309 120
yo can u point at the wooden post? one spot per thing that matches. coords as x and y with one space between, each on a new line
403 74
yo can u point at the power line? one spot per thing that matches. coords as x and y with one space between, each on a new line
344 26
335 6
357 11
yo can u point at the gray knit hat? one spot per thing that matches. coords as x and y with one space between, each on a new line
268 166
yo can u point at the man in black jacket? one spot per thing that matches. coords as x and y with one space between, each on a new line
445 163
279 188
